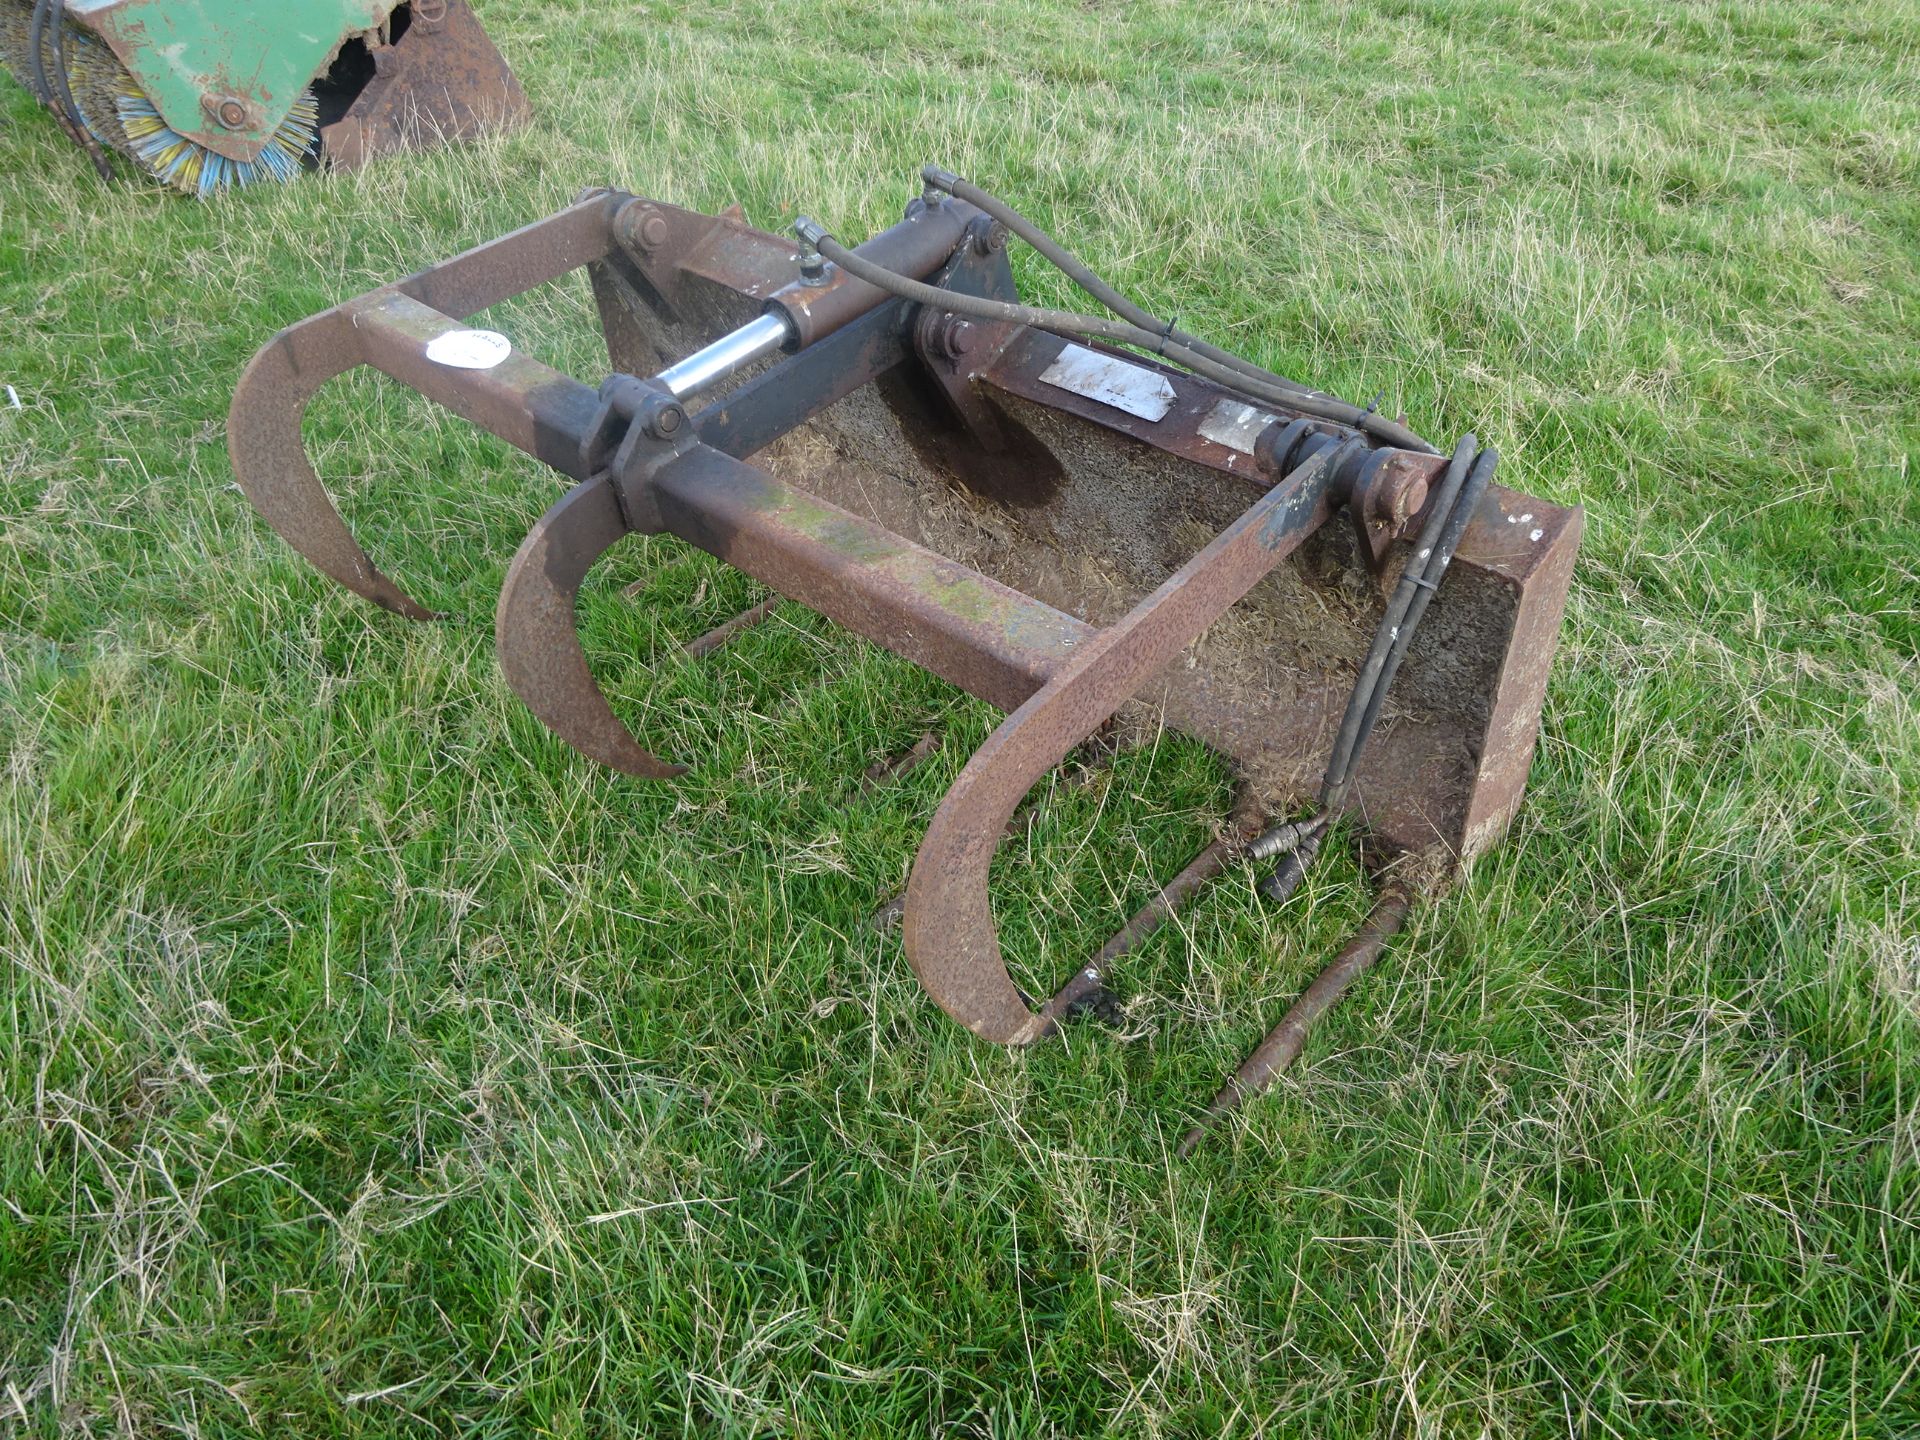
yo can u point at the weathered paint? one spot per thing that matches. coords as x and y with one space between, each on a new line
186 52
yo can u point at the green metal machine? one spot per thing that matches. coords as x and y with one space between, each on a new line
206 94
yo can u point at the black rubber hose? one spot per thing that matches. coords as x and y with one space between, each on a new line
1067 322
47 31
36 59
1393 624
1464 485
1458 519
1078 271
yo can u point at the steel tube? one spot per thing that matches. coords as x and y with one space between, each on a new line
985 637
1285 1041
1090 981
728 355
530 405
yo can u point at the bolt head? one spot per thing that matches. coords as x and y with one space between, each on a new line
1399 498
666 421
231 111
639 226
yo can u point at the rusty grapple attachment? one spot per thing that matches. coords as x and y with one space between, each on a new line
207 94
1007 497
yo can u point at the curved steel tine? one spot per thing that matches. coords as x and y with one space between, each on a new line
270 459
538 637
951 940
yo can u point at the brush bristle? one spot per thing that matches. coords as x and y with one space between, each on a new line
190 166
92 71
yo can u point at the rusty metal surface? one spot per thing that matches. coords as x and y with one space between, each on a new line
950 936
983 636
1415 792
717 637
1270 691
264 423
1087 985
922 481
960 624
442 80
526 403
1284 1042
1530 546
539 644
887 772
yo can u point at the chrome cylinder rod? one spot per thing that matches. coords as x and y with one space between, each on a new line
728 355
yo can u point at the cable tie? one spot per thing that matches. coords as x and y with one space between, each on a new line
1166 335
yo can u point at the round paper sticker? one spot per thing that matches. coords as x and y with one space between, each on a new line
469 349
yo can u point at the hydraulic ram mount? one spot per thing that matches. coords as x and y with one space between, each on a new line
1064 529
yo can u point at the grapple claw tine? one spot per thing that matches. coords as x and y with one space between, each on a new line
948 927
270 459
538 637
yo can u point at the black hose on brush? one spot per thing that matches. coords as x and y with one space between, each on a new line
1093 327
46 31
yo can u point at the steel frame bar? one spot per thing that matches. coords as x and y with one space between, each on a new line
269 405
1283 1043
1085 987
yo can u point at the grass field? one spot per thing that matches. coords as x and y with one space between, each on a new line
374 1065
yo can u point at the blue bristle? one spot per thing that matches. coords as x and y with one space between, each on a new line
189 166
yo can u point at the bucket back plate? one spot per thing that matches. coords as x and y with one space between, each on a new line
440 79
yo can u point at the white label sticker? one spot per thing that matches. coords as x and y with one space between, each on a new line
469 349
1132 388
1235 425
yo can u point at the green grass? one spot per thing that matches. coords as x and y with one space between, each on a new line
373 1065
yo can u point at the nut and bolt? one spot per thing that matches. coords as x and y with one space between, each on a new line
228 111
640 227
988 237
954 337
1398 497
815 268
666 420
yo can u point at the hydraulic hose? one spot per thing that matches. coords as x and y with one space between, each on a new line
1083 275
1395 631
1067 322
1462 487
1424 589
46 31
